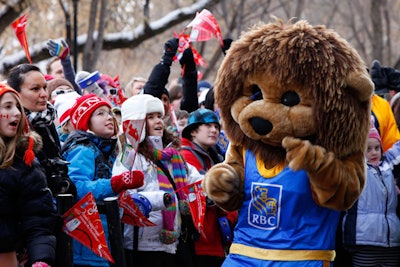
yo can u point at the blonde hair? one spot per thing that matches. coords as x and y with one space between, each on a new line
129 86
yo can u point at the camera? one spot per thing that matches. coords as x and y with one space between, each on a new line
113 91
57 177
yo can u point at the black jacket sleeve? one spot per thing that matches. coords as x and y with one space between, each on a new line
157 81
189 91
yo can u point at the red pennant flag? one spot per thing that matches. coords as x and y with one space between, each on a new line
197 203
185 42
82 222
204 26
19 28
131 212
120 98
133 130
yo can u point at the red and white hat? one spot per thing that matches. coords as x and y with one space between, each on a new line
63 104
83 108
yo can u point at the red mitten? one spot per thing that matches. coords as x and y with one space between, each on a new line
127 180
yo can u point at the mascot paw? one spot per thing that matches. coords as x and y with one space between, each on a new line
301 154
223 185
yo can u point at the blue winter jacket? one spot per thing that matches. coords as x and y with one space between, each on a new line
91 160
372 220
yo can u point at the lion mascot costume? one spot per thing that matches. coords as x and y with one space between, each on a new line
294 102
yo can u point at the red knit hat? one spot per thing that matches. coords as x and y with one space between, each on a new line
5 88
83 108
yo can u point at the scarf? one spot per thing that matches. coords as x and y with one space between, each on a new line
43 118
168 234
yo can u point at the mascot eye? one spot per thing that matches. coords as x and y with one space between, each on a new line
290 99
256 93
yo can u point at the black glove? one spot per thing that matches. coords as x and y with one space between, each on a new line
227 45
170 48
187 60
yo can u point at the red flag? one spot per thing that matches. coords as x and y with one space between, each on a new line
204 26
133 130
197 203
83 223
185 42
19 28
131 212
120 98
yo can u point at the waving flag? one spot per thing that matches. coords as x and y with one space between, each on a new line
185 42
197 203
133 130
204 26
19 28
82 222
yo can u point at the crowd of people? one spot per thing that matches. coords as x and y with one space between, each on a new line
54 123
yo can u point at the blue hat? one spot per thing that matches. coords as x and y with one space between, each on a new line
203 85
197 118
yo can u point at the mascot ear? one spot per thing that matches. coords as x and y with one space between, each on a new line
360 84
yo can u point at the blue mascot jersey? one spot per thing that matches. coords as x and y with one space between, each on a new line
280 220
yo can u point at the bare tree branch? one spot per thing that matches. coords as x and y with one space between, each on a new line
113 41
12 12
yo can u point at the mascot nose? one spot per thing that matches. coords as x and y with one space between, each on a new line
261 126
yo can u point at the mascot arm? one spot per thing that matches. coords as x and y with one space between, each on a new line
223 183
335 183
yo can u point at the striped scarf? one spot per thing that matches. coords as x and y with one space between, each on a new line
170 155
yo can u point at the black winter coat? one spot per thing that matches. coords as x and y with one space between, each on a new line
27 213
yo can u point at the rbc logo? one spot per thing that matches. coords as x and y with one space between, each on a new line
264 206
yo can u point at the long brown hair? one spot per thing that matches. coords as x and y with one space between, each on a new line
8 145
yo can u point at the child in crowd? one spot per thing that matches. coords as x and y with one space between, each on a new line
62 105
58 86
199 138
371 228
91 151
164 172
26 208
135 86
181 119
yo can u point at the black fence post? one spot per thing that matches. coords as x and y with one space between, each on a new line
115 231
64 254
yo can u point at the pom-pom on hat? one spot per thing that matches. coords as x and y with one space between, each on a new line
83 108
138 106
63 104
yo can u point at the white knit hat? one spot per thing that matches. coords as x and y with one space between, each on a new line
136 108
63 104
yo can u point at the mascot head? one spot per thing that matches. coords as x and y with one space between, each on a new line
284 79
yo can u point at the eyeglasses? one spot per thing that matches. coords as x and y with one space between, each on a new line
103 113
